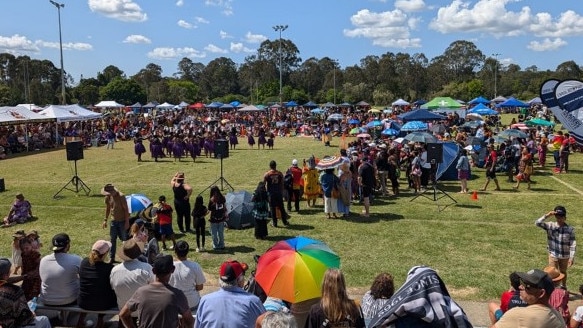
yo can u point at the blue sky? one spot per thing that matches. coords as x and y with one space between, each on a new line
133 33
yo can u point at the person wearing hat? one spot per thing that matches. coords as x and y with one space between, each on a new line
158 304
13 304
59 273
535 289
126 278
16 251
559 299
187 276
182 192
95 292
490 167
231 303
296 174
561 243
116 207
20 211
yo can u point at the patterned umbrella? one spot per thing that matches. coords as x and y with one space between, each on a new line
329 162
137 202
414 126
374 124
293 269
390 132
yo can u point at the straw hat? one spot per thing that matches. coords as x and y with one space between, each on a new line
109 189
554 273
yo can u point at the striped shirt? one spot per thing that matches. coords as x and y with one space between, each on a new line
561 240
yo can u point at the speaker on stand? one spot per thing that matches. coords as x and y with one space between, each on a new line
221 151
74 150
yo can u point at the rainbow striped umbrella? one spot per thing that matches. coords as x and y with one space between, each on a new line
293 269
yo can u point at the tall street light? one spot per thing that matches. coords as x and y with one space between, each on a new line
59 6
280 28
496 75
334 61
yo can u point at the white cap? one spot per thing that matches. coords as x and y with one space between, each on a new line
295 162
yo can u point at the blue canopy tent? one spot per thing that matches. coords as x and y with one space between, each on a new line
482 110
446 169
479 100
345 104
235 103
317 111
422 115
136 107
310 104
291 103
215 104
512 102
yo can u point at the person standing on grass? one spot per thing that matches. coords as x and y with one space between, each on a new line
163 213
274 184
561 243
199 213
366 181
116 207
182 192
490 167
463 170
218 216
294 194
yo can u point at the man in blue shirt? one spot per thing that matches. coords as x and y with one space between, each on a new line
230 306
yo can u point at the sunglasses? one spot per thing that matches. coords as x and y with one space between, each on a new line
528 287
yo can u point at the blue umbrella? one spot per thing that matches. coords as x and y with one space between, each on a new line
374 124
390 132
353 121
335 117
414 126
137 202
317 111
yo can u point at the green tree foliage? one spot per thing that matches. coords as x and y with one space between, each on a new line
124 91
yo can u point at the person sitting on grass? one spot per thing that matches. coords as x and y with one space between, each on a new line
20 211
508 300
577 318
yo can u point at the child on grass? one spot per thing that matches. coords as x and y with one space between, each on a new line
198 217
16 252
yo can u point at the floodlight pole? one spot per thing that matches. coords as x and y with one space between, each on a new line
280 28
59 6
334 81
496 74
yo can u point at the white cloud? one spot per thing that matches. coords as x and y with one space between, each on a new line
547 44
214 49
184 24
254 38
137 39
385 29
174 53
179 3
410 5
123 10
17 43
569 23
225 35
227 5
238 47
201 20
66 46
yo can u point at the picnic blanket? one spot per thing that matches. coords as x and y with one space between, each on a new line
422 301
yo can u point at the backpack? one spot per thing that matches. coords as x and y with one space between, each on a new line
288 180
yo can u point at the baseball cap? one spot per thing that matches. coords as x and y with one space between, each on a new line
295 162
60 241
163 264
101 246
539 279
560 210
231 270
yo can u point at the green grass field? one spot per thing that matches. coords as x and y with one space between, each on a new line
473 244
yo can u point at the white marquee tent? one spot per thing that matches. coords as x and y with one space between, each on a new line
11 115
68 113
109 104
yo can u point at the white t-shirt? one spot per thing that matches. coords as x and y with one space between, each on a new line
127 277
186 276
578 315
59 273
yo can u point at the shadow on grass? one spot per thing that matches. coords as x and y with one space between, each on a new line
372 218
468 206
233 249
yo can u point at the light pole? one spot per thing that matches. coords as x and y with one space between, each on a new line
334 61
496 74
280 28
59 6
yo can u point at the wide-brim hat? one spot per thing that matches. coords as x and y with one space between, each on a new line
554 273
130 250
109 189
19 234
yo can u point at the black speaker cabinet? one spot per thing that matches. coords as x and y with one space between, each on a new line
435 153
221 148
2 186
74 150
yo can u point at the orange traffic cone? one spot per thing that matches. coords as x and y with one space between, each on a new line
475 195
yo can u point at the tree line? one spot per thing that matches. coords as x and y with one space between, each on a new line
462 72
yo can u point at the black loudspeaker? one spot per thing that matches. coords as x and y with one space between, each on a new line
221 148
2 187
74 150
435 153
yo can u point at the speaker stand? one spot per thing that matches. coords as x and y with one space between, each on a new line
75 183
435 190
221 179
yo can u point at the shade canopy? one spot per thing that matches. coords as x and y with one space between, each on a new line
10 115
442 102
310 104
69 113
479 100
512 102
109 104
422 115
400 102
482 109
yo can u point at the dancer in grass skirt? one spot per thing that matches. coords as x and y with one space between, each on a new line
156 148
233 140
261 139
139 148
177 148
